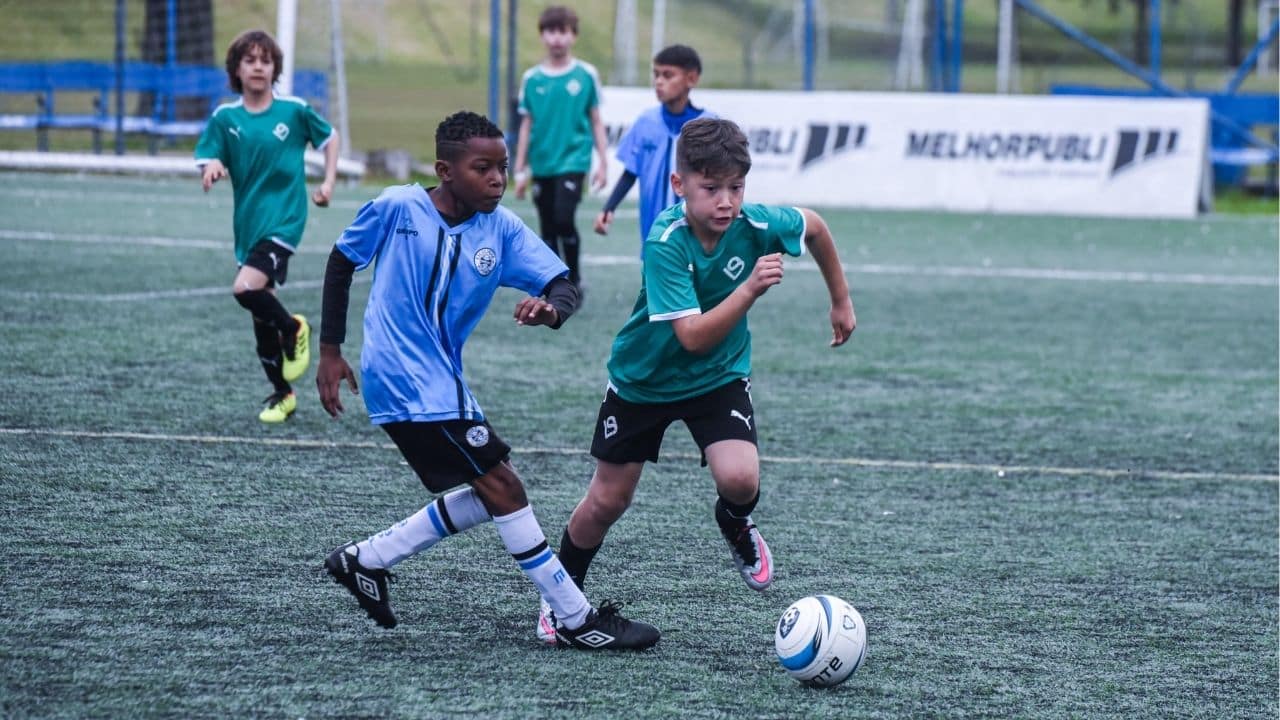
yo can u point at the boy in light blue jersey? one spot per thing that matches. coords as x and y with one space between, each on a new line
685 353
648 148
259 142
441 254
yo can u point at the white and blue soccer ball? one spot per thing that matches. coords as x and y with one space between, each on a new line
820 640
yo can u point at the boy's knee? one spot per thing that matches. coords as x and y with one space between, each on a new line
501 490
606 506
739 485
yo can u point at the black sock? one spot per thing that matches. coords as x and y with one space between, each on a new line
266 307
270 355
570 245
576 560
732 517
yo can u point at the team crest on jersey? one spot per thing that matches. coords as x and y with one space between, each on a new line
478 436
281 132
485 260
734 267
573 86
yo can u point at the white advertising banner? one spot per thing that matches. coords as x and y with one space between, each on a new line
1123 157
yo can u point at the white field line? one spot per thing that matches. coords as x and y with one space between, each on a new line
1051 274
1109 473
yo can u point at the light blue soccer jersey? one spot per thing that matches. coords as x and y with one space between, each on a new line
648 151
431 284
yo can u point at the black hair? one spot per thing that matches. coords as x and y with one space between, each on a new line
453 133
558 17
681 56
240 47
714 147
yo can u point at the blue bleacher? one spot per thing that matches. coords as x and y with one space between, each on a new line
47 82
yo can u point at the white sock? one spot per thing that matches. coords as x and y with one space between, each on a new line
447 515
526 543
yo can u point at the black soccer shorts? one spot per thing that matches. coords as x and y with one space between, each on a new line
272 259
632 432
449 453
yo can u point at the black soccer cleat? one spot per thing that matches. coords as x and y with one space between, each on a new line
605 629
368 585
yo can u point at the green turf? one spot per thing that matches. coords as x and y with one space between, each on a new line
1048 497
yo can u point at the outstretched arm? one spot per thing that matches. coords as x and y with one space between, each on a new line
822 247
619 191
522 156
600 177
324 193
333 368
700 333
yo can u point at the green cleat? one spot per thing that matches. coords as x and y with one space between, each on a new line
297 354
279 408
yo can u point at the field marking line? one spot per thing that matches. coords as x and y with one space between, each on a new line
1111 473
804 265
177 294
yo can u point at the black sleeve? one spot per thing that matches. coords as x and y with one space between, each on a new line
337 295
563 296
620 190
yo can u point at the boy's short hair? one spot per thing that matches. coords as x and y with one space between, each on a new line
681 56
241 46
714 147
454 131
558 17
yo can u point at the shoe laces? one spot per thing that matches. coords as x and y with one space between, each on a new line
275 398
607 614
745 546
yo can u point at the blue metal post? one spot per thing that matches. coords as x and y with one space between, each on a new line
809 41
1245 67
1134 69
171 57
1156 34
957 43
120 39
495 52
937 57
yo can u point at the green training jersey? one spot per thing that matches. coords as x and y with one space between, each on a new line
559 104
648 364
262 152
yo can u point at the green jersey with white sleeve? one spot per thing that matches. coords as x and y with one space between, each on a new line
648 364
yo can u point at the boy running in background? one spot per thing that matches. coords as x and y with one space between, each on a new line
441 254
685 353
559 124
258 141
648 148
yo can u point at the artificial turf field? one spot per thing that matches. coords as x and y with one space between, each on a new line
1044 469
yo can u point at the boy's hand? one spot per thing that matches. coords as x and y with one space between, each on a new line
535 311
767 273
522 184
323 194
599 178
214 171
843 322
330 372
602 222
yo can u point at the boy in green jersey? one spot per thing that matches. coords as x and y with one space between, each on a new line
258 141
559 125
685 353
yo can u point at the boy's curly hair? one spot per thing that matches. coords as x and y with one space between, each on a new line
453 133
241 46
714 147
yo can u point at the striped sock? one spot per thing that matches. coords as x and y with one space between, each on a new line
447 515
526 543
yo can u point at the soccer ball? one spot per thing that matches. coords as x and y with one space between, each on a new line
820 640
